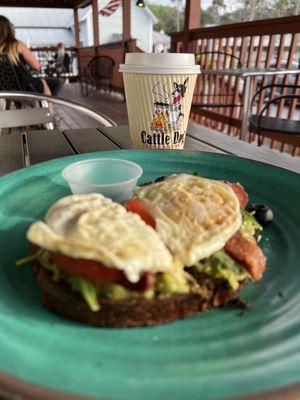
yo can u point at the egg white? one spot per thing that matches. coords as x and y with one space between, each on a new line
94 227
194 216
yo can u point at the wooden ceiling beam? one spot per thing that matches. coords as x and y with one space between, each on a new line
45 3
82 3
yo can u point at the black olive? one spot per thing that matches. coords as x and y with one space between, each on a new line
160 179
146 183
262 213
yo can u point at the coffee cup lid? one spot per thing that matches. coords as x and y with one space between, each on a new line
160 63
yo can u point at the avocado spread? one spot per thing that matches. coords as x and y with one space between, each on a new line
221 266
166 283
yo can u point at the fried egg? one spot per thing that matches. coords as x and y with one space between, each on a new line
194 216
94 227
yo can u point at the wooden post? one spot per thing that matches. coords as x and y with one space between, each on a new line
192 20
95 22
126 20
126 37
77 38
76 28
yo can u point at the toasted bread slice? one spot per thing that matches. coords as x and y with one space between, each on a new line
58 297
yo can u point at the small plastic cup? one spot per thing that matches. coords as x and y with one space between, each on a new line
111 177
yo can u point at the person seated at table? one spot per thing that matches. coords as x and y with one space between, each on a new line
62 60
21 58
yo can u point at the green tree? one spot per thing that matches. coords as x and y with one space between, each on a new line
167 18
246 10
287 7
217 13
218 7
207 17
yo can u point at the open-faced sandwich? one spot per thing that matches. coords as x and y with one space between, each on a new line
97 263
205 226
181 246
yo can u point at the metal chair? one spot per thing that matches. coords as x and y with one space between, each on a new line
20 79
98 74
42 116
214 97
280 129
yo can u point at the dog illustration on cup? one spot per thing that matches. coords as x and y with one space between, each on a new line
169 114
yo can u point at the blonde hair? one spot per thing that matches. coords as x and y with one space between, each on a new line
8 42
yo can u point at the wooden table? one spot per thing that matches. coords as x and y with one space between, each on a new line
21 150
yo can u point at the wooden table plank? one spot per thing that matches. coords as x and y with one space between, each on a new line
121 136
46 145
234 146
12 153
89 140
195 145
118 134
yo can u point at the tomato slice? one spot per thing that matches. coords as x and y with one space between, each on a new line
91 270
240 193
140 208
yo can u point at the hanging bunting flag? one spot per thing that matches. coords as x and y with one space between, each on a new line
110 8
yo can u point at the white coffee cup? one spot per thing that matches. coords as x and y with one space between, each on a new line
159 90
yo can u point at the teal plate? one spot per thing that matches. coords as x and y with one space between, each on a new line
215 355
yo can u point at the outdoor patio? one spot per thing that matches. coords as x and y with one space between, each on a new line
226 54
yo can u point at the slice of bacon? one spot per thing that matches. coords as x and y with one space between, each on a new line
248 254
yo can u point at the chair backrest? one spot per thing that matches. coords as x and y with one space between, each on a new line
8 76
265 105
14 77
217 60
272 94
102 67
27 117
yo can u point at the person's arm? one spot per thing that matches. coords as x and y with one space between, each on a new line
29 58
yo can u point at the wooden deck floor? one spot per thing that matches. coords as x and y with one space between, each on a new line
111 105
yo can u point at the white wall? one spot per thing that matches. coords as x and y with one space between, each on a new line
141 28
110 28
84 33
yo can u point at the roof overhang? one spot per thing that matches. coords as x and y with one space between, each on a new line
45 3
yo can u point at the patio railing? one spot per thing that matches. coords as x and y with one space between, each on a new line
81 57
262 44
114 50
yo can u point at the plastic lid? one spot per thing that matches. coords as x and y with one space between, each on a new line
160 63
167 59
